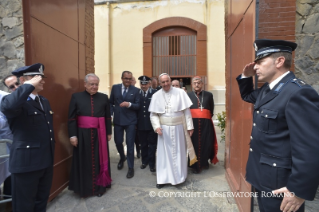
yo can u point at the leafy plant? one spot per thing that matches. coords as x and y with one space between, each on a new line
221 117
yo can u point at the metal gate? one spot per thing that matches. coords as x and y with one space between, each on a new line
175 55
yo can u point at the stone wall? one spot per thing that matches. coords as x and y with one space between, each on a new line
307 37
11 37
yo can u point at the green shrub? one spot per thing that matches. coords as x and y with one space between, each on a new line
221 117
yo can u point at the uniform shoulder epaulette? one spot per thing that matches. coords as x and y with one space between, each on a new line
298 82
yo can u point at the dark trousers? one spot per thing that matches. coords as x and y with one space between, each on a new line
7 187
137 143
267 203
31 190
130 137
148 140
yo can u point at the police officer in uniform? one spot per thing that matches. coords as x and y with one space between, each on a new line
31 156
148 137
284 146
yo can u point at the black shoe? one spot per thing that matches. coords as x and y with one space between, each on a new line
138 154
130 173
159 186
195 171
152 169
143 166
99 195
121 164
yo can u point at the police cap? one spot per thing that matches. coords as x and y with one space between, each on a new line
35 69
266 47
144 80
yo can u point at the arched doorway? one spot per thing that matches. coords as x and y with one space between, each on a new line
175 45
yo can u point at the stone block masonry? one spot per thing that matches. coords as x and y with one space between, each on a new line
307 38
11 38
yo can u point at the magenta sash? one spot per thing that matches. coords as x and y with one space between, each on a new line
103 179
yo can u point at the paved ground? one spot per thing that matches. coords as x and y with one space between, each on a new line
140 193
135 194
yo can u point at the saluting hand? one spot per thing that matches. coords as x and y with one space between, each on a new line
74 141
249 70
290 203
34 80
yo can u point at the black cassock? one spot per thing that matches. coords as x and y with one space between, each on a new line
204 137
86 162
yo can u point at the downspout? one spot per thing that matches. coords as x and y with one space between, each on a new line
110 74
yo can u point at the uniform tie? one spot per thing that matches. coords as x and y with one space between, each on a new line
144 93
265 91
37 100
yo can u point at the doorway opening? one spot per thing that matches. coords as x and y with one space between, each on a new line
185 81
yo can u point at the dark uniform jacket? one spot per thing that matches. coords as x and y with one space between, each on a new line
124 116
143 120
32 128
284 146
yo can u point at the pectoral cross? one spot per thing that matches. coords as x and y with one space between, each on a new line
201 108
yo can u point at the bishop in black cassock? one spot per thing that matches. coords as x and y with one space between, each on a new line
204 136
86 155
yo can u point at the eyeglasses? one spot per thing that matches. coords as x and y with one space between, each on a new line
127 78
15 85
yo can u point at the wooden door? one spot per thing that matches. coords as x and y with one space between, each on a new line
240 35
54 32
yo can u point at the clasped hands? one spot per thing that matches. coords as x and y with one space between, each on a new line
159 131
125 104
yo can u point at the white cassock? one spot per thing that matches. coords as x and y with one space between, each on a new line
170 111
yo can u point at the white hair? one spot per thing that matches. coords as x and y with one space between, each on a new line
159 77
90 75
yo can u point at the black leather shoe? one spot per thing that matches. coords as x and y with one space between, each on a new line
121 164
138 154
99 195
152 169
130 173
159 186
143 166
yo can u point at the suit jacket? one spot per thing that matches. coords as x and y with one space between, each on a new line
32 128
124 116
284 144
143 120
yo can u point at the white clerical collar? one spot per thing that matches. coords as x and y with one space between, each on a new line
33 96
273 83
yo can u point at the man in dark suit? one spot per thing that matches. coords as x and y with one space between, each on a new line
284 146
31 156
125 101
146 133
11 82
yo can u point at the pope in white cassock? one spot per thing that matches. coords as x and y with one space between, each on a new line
172 121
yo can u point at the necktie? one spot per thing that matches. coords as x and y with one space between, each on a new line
124 93
265 91
144 94
37 100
